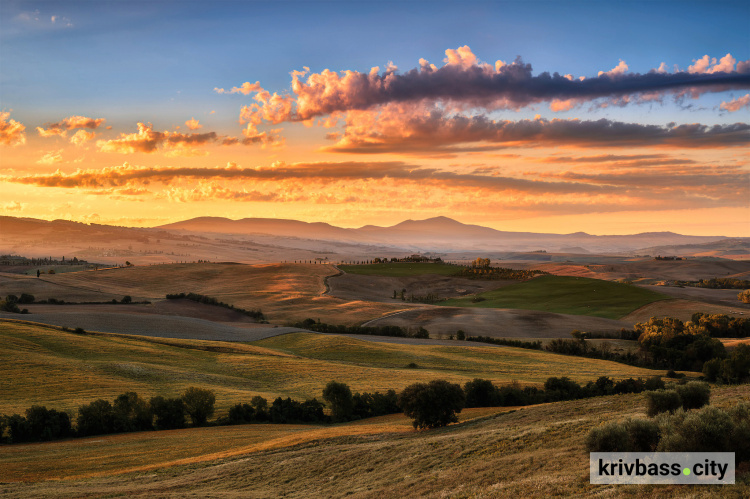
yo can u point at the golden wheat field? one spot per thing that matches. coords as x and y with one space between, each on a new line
62 370
526 452
286 293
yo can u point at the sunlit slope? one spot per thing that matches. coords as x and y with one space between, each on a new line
63 370
565 295
530 452
286 293
401 269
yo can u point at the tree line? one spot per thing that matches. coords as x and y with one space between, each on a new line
208 300
393 331
430 405
664 343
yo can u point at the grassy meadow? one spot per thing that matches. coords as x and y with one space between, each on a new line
565 295
63 370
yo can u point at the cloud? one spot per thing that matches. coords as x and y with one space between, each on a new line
401 129
81 137
51 157
193 124
618 70
70 123
381 184
13 206
146 140
736 104
245 89
464 83
11 131
706 66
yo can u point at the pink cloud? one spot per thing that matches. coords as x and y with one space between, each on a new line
736 104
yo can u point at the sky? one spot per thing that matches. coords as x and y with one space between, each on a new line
605 117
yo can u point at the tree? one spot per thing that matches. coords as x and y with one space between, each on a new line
47 424
433 404
132 413
339 397
261 408
199 404
460 335
169 414
126 299
480 393
96 418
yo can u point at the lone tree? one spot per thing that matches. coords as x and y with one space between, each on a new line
199 404
339 397
432 405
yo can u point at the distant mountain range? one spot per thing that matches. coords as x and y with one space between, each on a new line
439 234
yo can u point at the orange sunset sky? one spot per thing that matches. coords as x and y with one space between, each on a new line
608 118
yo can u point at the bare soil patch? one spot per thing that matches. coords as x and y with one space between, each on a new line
660 270
681 309
380 288
155 325
442 322
726 297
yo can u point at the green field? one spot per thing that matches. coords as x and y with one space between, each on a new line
401 269
63 370
565 295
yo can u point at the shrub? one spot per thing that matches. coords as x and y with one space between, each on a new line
634 435
339 397
694 394
644 434
433 404
654 383
712 369
707 430
662 401
611 437
26 298
199 404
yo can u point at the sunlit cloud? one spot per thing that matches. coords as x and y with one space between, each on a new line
464 82
193 124
81 137
400 129
51 157
13 206
735 105
11 131
70 123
